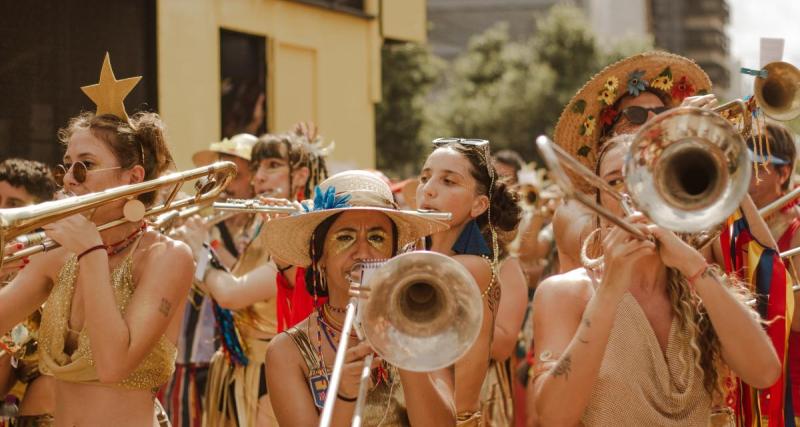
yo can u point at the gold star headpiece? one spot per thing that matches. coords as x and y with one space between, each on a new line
109 93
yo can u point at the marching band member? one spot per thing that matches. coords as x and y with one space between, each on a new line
671 329
262 296
109 325
25 183
183 396
237 149
773 152
458 177
354 219
618 100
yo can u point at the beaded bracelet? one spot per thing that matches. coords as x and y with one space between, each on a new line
92 249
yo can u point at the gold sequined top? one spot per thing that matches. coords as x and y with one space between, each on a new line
261 316
152 372
639 385
385 404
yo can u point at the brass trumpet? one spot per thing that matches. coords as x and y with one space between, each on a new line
16 222
420 311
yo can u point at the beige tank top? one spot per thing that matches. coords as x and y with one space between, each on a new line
639 385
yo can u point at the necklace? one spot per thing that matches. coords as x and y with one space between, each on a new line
117 247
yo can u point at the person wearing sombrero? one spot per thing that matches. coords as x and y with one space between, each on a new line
353 218
618 100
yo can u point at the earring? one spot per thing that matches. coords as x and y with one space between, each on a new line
591 263
134 210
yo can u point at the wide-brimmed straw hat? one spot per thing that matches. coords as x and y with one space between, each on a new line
671 76
289 238
240 145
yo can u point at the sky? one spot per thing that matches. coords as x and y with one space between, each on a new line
752 19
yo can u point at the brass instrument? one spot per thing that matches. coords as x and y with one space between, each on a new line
420 311
687 170
778 94
16 222
256 206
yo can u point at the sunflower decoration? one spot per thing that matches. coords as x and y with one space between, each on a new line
663 81
587 127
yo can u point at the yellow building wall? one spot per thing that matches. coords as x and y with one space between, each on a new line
404 20
323 66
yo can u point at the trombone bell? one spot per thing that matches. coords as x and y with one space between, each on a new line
778 95
687 169
424 310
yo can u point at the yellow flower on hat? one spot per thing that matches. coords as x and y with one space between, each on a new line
612 84
587 128
663 81
607 96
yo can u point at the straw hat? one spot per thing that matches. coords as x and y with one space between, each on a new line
355 190
671 76
238 145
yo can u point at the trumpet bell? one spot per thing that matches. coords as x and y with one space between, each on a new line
424 311
778 95
687 169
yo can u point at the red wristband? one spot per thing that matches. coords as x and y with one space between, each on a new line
92 249
691 279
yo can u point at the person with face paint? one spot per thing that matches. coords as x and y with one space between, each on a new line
262 295
25 183
109 323
353 219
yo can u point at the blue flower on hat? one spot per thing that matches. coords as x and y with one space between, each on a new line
636 83
328 200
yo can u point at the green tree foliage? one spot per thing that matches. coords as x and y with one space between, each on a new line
509 92
409 70
499 89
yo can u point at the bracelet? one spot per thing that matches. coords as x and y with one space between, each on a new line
345 398
92 249
691 279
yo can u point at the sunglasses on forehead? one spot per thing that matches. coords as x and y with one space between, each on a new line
79 171
439 142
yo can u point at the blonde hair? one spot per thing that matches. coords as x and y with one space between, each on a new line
687 306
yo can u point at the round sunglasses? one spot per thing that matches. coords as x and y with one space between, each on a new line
79 172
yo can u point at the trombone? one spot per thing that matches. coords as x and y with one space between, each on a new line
420 311
16 222
687 170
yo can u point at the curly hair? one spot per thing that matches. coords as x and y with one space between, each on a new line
33 176
686 304
297 151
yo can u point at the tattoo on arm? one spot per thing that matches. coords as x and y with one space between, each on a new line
587 322
563 367
165 307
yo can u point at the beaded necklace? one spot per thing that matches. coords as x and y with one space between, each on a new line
117 247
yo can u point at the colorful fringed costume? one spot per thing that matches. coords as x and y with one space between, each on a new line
764 271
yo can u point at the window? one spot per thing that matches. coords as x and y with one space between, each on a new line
243 69
50 52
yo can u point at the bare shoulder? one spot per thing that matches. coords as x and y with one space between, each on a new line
170 259
571 288
282 352
478 267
